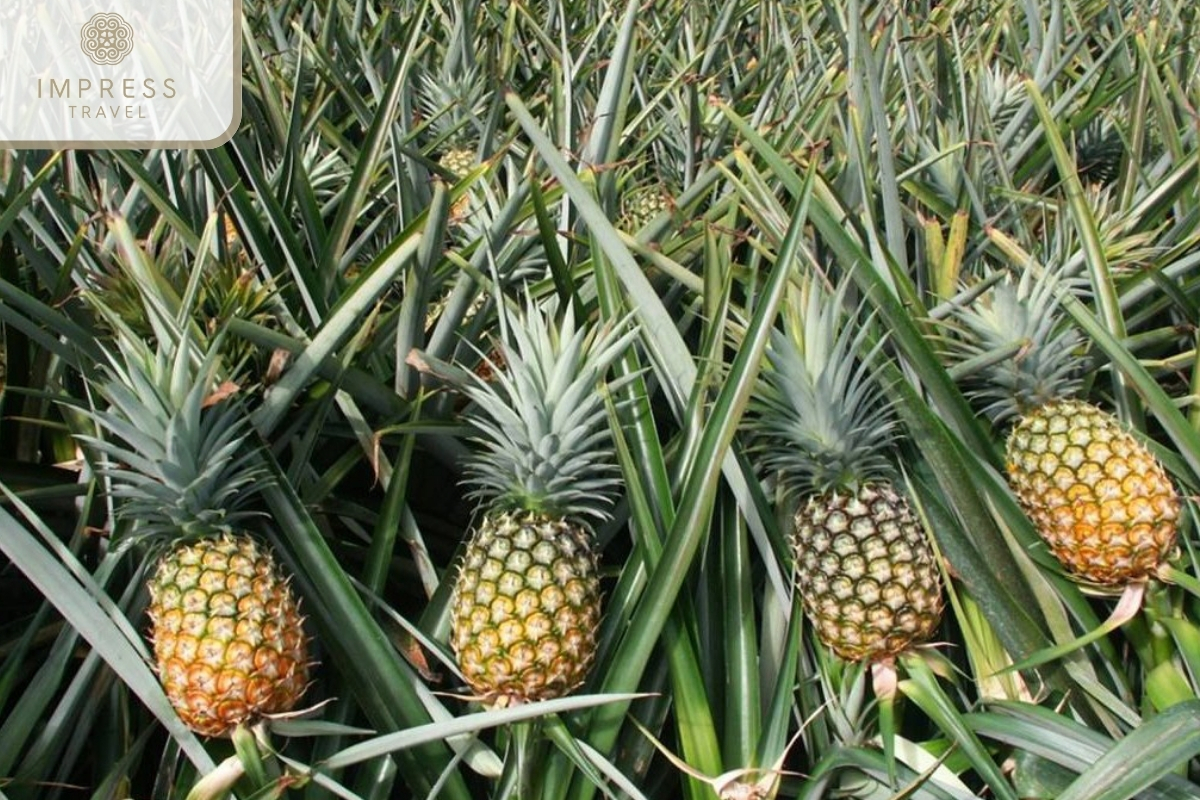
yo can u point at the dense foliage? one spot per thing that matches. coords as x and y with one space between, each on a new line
409 175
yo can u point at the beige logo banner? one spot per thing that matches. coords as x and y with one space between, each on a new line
136 74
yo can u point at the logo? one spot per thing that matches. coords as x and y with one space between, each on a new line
106 39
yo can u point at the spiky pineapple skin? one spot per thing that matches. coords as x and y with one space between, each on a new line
228 636
526 607
642 206
458 161
867 575
1099 497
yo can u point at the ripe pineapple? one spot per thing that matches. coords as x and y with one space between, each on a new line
226 628
527 597
1098 496
228 636
866 572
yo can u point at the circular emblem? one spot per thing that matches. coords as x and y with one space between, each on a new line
106 38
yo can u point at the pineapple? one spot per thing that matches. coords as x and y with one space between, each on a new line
1101 500
454 105
226 629
641 205
866 572
228 637
526 598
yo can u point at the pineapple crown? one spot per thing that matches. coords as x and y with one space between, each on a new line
1002 92
454 104
1098 152
1016 354
128 302
540 421
819 415
174 439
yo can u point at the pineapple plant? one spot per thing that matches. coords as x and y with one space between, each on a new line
526 600
797 129
1001 95
866 573
226 629
228 288
454 104
1098 497
1099 151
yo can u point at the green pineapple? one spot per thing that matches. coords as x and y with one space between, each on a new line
527 598
227 633
640 205
1098 496
866 572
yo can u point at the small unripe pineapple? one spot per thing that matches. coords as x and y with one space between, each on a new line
641 206
454 104
458 161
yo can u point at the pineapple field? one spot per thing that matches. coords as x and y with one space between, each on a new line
562 400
